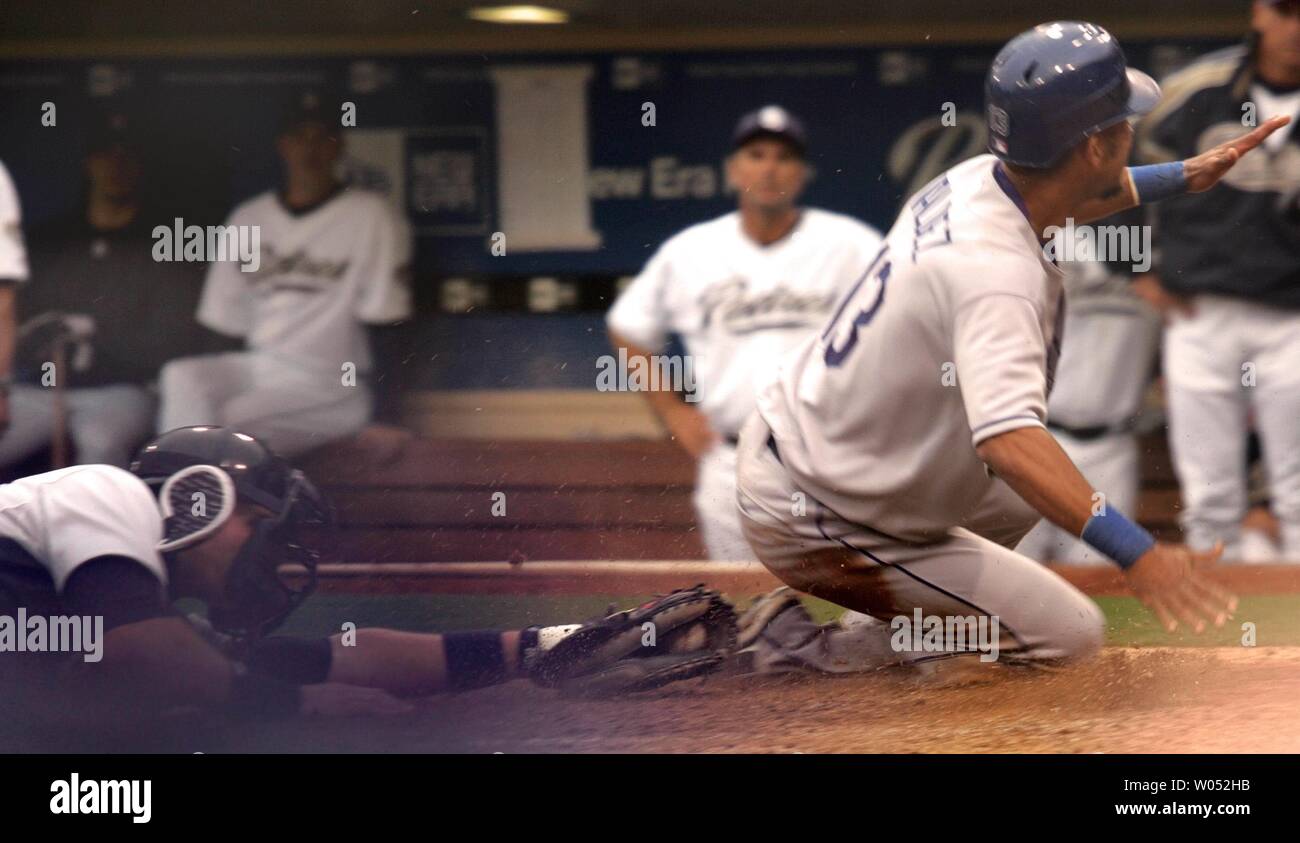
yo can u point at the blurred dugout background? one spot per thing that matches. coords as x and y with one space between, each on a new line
473 128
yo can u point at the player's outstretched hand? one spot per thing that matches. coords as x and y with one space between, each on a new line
1169 581
333 699
1203 171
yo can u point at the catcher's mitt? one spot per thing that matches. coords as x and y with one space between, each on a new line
686 633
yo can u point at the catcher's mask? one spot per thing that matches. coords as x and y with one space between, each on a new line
200 474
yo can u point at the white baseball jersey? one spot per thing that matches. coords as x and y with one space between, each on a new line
323 273
946 341
13 256
65 518
740 306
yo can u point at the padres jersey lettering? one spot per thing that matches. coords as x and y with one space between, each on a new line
323 274
739 306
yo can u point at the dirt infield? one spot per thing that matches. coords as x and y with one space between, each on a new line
1129 700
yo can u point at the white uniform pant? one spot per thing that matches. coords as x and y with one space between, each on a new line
971 573
291 409
1110 464
105 423
715 506
1231 359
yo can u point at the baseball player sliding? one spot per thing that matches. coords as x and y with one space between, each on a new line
740 290
210 513
897 457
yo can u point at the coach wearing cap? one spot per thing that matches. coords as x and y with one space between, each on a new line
740 291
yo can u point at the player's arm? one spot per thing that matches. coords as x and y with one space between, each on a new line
639 322
694 626
688 427
163 663
1164 576
415 663
998 344
151 660
1154 182
150 657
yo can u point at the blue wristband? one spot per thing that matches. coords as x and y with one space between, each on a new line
1117 537
1154 182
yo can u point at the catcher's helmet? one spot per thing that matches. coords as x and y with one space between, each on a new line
1053 86
258 474
199 474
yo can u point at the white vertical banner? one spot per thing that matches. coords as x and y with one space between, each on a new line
542 157
374 159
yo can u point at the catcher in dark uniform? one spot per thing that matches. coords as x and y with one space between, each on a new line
210 513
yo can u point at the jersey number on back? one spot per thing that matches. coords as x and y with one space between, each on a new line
867 295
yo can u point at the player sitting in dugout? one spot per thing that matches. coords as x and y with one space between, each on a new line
325 297
210 513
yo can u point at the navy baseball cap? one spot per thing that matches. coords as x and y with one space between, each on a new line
308 107
771 121
112 127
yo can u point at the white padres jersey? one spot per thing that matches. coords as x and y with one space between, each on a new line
13 255
947 341
67 517
739 306
323 274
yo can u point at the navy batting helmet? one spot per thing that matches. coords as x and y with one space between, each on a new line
1053 86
